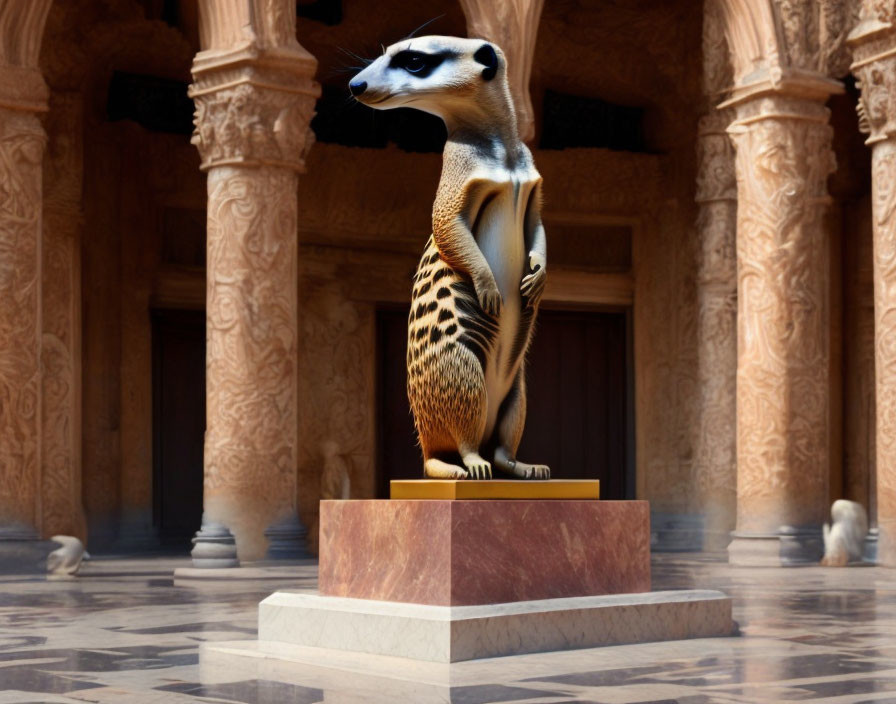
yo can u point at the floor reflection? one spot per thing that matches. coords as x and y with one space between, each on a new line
125 632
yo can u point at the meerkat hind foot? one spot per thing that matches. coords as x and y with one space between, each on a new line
477 468
521 470
436 469
524 470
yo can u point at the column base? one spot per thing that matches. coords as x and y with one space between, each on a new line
286 539
788 547
869 552
676 532
22 551
214 546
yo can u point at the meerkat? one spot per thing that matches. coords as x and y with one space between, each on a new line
478 285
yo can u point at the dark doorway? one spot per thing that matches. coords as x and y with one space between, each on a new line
178 383
579 400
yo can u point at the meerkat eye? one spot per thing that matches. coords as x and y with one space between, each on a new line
417 63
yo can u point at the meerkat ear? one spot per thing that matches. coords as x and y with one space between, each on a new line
486 56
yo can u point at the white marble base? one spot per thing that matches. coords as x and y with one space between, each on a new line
453 634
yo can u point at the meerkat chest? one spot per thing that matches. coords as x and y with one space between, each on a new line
499 225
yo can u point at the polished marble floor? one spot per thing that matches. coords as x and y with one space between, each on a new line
125 631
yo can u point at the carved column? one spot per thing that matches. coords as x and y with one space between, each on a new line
783 160
62 508
714 461
874 51
23 94
513 26
254 97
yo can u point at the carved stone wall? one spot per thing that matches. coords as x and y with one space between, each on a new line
874 42
783 160
337 411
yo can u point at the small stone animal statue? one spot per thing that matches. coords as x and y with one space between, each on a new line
64 562
335 482
477 288
843 542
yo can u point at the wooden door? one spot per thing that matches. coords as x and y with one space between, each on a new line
178 423
579 400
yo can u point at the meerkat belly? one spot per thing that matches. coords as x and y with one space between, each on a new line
499 233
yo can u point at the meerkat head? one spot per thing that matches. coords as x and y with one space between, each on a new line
445 76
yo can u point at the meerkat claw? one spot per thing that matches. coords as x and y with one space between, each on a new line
477 467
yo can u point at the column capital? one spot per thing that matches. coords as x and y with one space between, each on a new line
778 46
253 85
873 43
22 86
784 151
254 108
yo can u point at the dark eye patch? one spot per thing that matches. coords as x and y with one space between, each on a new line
418 63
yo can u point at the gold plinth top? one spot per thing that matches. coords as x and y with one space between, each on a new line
451 489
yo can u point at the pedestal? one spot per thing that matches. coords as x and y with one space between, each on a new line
455 633
459 553
445 580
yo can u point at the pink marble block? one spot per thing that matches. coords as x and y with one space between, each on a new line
460 553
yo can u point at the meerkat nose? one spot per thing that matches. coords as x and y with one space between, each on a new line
358 87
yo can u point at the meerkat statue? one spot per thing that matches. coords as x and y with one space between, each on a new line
844 540
482 275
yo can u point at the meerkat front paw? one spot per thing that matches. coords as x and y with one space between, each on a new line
532 285
489 296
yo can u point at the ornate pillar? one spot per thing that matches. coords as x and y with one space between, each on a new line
782 55
783 160
62 508
874 53
23 94
254 97
513 26
714 462
715 466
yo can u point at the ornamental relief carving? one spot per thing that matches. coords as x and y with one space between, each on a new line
251 124
250 441
335 423
783 159
715 158
21 147
881 10
717 71
883 196
814 33
877 102
777 35
715 474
